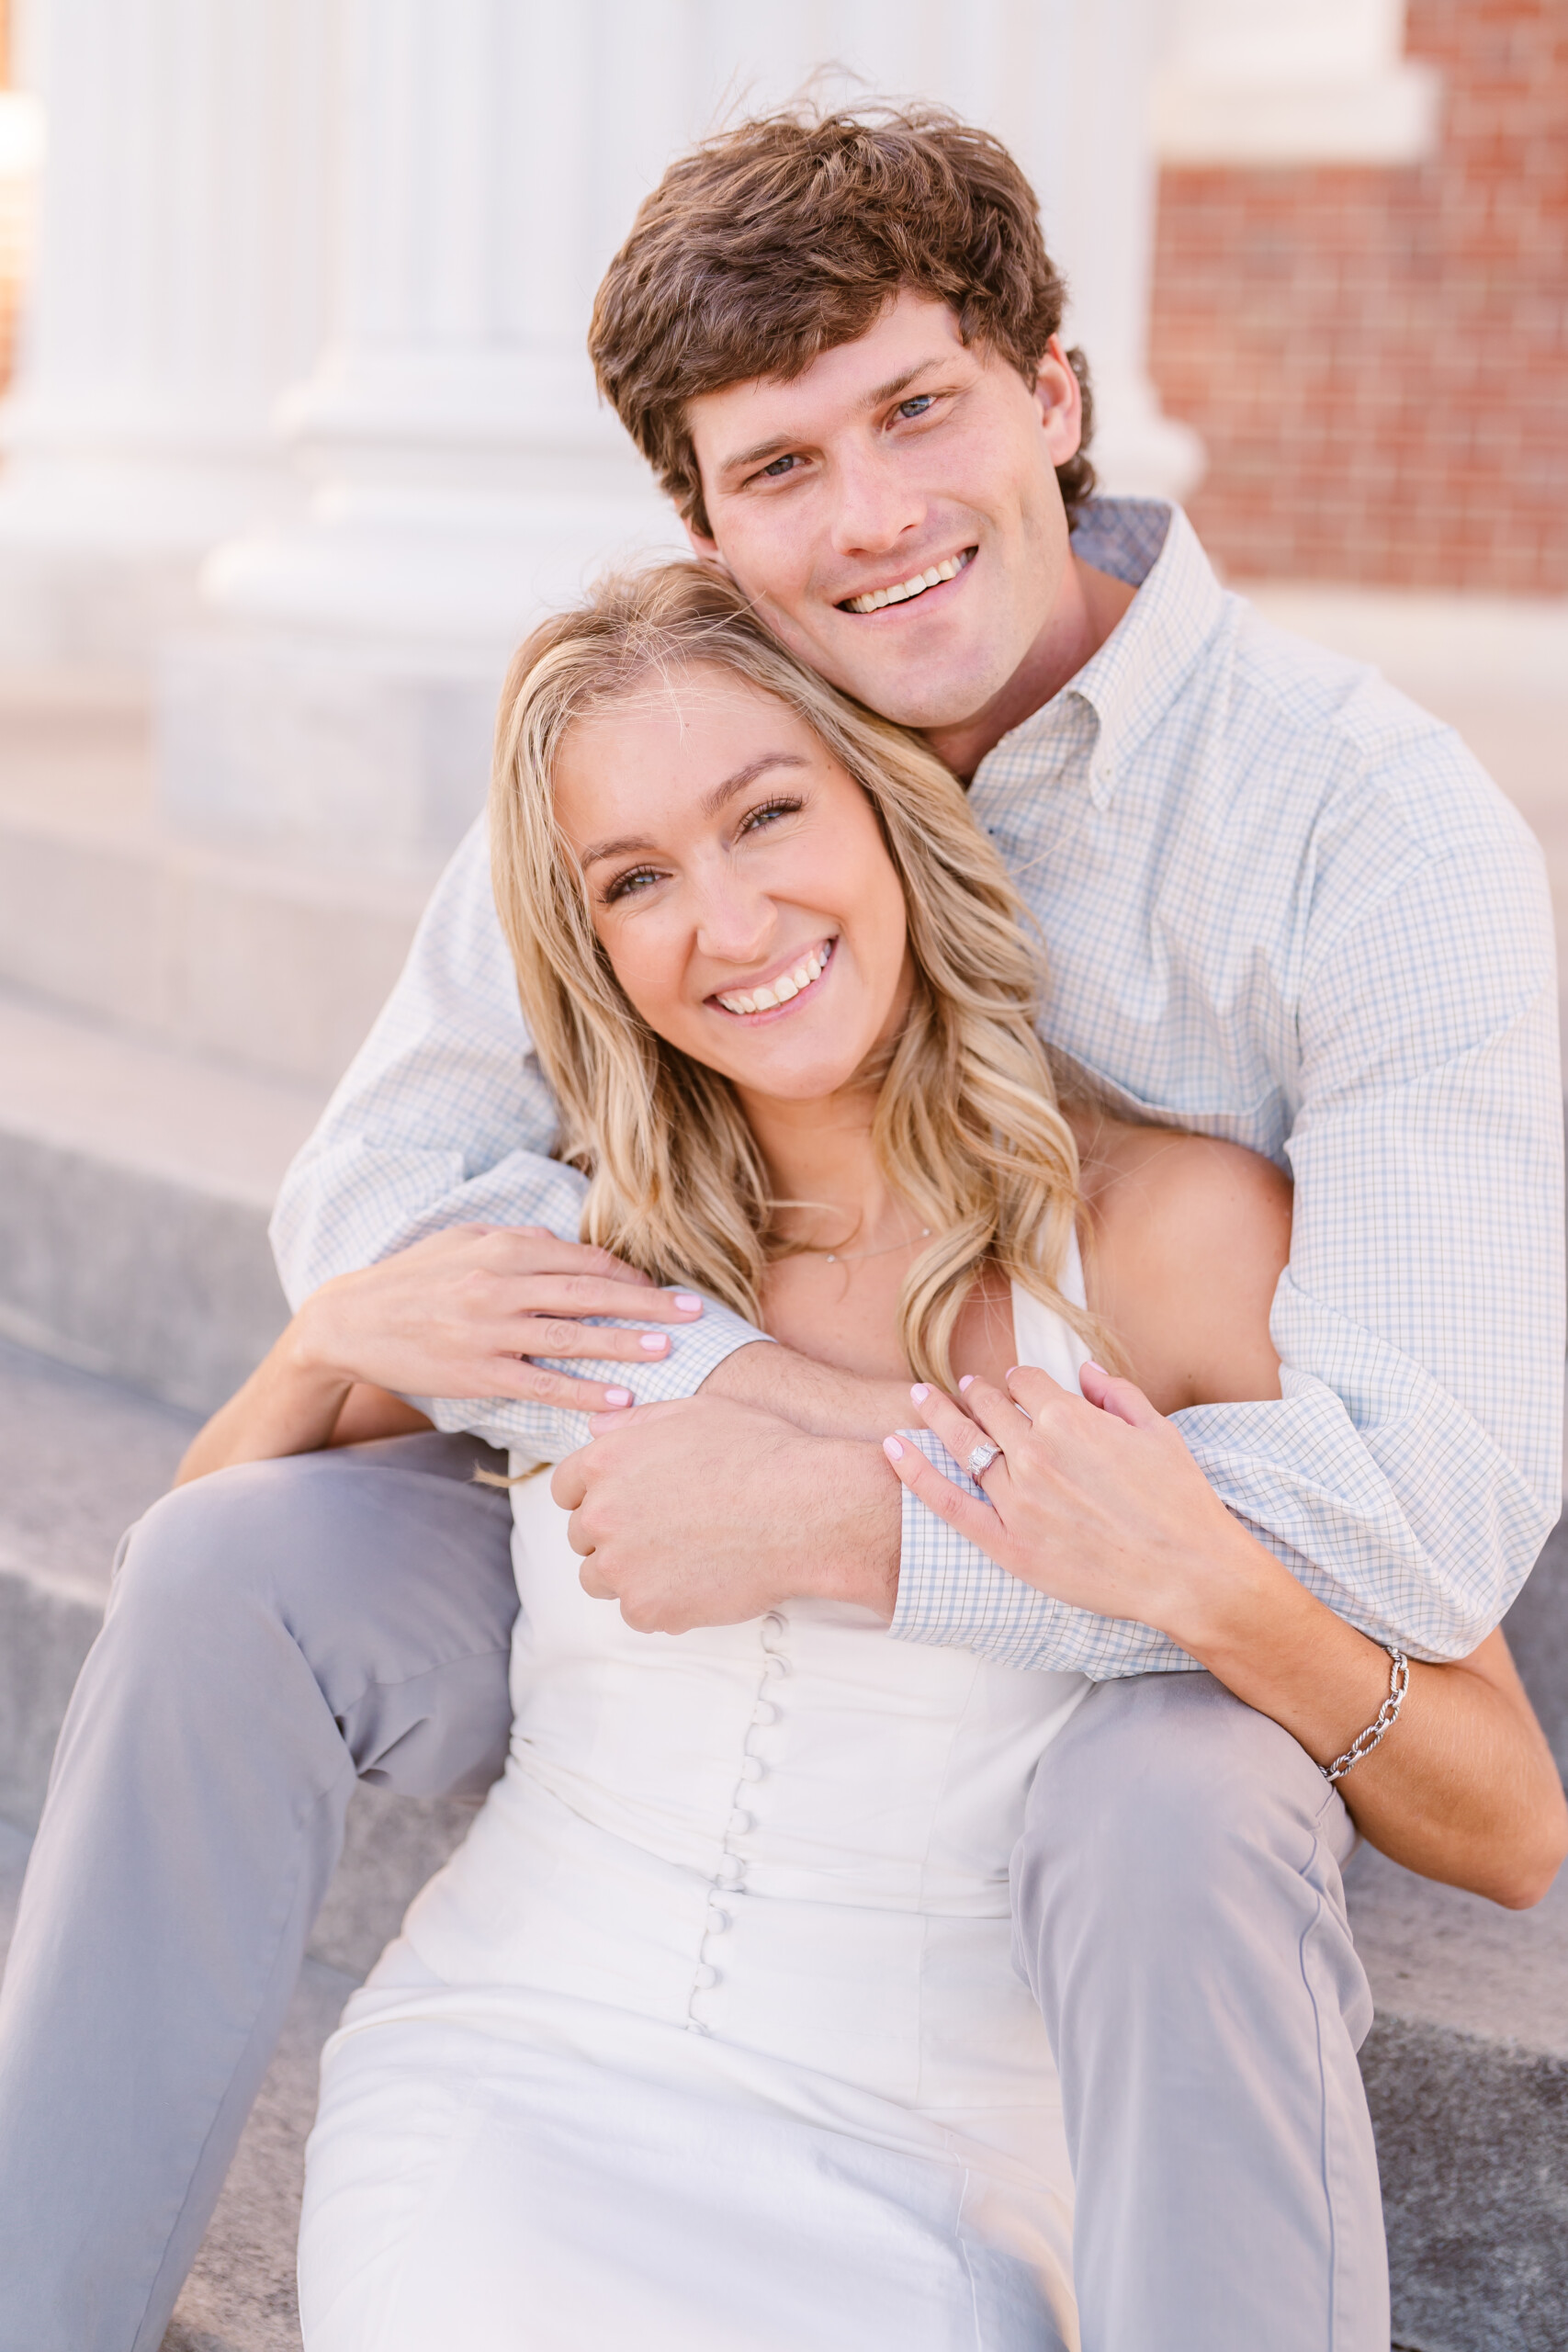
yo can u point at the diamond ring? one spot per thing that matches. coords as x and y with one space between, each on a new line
980 1461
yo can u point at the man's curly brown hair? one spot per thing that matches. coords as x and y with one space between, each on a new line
784 238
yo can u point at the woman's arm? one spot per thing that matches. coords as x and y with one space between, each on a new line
294 1404
1188 1241
456 1315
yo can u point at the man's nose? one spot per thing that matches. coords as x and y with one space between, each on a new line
874 507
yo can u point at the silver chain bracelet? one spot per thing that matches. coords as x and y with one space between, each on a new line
1382 1724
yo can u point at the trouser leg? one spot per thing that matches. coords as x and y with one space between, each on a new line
1179 1916
272 1631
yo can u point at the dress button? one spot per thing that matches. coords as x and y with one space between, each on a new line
751 1769
764 1712
775 1666
731 1870
705 1977
740 1823
717 1921
775 1621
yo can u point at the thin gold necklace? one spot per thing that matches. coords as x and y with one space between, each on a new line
852 1257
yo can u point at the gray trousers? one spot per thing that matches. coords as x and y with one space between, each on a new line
277 1629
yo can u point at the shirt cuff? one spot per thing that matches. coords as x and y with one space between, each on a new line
549 1432
951 1595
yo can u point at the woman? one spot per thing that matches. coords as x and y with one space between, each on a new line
708 2035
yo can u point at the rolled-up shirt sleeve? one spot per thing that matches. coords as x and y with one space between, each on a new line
1411 1469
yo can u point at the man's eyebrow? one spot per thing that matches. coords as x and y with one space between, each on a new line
781 443
712 802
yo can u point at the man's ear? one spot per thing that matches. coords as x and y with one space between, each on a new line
1060 396
704 548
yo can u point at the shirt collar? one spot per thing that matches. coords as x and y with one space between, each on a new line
1136 674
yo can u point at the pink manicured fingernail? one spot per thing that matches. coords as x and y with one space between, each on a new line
653 1344
920 1392
617 1395
688 1302
892 1449
967 1382
1013 1368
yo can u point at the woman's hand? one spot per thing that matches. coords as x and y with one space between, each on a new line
1093 1500
458 1315
461 1313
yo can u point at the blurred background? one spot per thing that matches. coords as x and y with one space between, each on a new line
299 435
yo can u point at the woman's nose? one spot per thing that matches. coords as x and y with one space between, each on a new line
733 923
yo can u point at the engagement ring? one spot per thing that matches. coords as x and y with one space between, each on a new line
981 1460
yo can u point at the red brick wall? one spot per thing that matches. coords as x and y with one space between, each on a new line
1378 359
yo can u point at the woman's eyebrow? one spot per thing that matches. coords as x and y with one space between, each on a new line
712 802
723 793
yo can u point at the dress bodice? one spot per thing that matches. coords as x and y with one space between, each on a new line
806 1753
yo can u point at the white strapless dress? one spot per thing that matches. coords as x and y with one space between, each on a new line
708 2039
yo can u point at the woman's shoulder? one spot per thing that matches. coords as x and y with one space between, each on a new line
1188 1236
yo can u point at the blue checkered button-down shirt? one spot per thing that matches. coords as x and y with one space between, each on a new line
1283 906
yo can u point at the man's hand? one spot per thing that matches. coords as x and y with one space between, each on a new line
704 1512
460 1314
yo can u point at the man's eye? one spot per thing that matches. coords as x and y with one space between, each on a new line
780 467
918 405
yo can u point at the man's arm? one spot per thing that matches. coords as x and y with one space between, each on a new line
1411 1469
444 1118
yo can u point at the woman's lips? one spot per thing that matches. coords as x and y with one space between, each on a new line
782 988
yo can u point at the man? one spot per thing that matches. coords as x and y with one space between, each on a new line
1283 907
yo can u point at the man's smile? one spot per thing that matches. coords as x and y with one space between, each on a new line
901 592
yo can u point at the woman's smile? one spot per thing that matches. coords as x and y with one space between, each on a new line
782 989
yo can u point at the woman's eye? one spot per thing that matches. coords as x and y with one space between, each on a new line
770 809
627 886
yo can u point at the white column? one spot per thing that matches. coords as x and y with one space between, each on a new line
178 285
461 473
1074 108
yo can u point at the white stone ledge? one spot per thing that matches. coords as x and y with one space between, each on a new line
1388 117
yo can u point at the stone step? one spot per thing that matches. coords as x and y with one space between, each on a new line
224 950
1466 2068
135 1186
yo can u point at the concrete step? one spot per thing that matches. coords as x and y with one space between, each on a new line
80 1459
135 1186
1466 2069
105 909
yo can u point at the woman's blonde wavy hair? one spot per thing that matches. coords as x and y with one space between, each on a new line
968 1129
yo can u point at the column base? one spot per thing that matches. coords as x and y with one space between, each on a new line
1138 451
69 607
348 753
